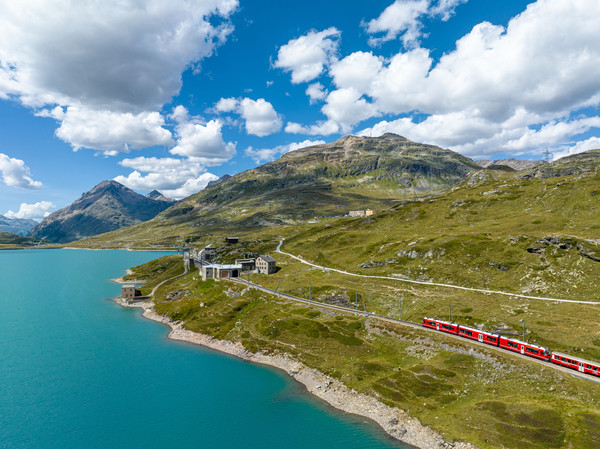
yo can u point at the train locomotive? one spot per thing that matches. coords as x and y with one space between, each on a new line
514 345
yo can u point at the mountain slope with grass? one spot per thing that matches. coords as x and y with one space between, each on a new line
319 181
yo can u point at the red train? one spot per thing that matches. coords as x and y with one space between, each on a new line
512 344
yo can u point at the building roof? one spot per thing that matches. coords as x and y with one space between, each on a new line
128 286
266 258
219 266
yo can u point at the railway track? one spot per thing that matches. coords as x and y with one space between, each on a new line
374 316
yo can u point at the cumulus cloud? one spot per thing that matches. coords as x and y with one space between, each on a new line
116 54
104 60
269 154
16 174
593 143
35 211
176 178
112 132
502 89
307 56
321 128
260 116
404 18
316 92
203 142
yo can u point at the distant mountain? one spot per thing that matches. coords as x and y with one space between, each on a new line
323 180
576 164
217 181
156 195
18 226
515 164
108 206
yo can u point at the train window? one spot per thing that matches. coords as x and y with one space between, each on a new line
510 343
494 339
466 332
445 326
431 323
534 351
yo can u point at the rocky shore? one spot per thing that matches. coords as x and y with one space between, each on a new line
394 421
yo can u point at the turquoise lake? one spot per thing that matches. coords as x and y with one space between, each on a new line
78 371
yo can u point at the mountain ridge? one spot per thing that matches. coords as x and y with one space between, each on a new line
19 226
106 207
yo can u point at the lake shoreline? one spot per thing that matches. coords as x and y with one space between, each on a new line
393 421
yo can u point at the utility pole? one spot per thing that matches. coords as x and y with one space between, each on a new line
309 293
279 288
356 302
399 307
450 312
523 321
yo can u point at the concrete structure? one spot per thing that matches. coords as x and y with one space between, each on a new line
265 264
246 264
232 239
357 213
218 271
207 253
128 291
361 213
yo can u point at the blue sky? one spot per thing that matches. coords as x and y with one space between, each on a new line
169 95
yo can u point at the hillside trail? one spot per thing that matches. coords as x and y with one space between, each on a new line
412 281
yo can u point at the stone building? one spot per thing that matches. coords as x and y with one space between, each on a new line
128 291
265 264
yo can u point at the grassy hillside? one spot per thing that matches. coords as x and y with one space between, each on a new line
473 394
9 241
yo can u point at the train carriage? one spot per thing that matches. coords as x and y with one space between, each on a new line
576 363
524 348
478 335
443 326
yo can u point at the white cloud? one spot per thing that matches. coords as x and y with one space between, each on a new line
400 18
316 92
16 174
322 128
346 107
260 116
269 154
357 70
108 62
307 56
121 55
203 142
176 178
36 211
515 89
112 132
404 18
593 143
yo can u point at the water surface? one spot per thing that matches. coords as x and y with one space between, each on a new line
78 371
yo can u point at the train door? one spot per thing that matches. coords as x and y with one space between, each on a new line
522 349
437 326
480 338
581 367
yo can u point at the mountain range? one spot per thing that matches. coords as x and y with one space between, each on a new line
321 180
108 206
19 226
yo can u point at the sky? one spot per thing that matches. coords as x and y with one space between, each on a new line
171 94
